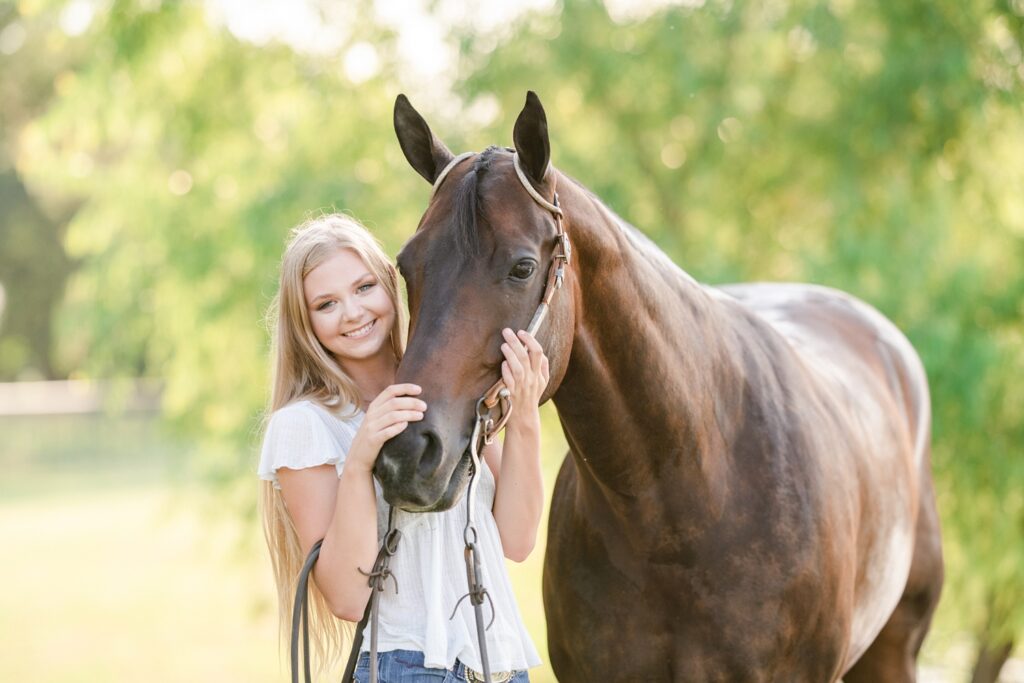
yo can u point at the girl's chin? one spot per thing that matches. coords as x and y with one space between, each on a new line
360 349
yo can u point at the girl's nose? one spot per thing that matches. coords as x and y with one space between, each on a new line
351 310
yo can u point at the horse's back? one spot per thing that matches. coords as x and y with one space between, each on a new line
842 339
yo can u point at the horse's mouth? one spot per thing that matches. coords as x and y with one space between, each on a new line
457 484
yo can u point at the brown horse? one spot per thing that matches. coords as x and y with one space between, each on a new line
748 494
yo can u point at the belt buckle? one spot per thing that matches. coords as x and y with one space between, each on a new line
498 677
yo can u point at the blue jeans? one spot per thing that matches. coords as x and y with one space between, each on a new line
406 666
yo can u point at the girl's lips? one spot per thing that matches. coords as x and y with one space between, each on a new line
360 332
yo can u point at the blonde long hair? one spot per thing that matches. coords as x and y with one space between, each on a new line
303 369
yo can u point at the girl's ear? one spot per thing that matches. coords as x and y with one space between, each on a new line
424 151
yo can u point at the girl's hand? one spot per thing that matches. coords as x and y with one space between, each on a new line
388 414
525 371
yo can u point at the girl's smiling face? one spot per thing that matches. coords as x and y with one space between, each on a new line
349 310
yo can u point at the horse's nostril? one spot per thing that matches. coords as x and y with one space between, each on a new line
431 457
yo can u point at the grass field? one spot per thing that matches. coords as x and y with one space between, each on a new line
115 569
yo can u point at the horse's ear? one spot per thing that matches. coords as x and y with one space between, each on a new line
530 136
425 152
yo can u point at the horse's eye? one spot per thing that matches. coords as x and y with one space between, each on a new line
523 270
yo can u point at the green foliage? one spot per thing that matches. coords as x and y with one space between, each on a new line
871 146
197 154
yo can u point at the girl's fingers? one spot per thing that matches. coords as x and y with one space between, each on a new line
533 349
506 375
517 346
405 389
404 403
521 352
530 342
514 364
379 411
393 430
390 417
396 416
393 391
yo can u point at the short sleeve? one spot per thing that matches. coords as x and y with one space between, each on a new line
297 437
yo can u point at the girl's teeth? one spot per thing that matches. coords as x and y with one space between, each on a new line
361 332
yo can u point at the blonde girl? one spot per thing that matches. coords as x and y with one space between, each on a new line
339 338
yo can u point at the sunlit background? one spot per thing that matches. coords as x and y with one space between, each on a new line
153 156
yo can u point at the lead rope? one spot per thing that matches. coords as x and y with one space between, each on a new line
482 428
376 578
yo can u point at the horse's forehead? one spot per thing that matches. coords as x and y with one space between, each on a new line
504 211
509 211
504 202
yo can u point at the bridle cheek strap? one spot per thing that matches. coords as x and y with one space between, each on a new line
560 258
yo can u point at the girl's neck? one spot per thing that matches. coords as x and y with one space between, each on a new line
371 375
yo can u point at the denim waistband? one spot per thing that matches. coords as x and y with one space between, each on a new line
394 663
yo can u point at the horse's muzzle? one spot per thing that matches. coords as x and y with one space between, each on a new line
418 473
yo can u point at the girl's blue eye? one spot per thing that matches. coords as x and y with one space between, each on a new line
363 288
324 305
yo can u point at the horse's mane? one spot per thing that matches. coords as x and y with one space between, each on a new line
641 242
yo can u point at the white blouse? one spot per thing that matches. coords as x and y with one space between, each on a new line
429 566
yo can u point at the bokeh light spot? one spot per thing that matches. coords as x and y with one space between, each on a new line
180 183
361 62
12 38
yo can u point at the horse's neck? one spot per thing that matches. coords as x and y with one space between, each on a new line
649 369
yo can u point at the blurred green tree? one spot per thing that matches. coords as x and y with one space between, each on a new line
197 152
33 263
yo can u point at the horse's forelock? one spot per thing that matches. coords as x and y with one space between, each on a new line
466 203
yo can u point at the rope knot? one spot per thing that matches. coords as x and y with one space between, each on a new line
377 578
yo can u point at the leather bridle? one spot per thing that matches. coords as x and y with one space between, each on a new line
498 396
